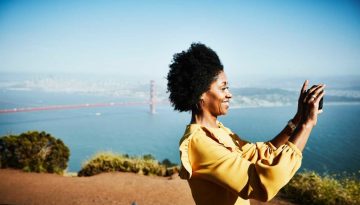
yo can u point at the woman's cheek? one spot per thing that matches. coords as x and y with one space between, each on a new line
221 109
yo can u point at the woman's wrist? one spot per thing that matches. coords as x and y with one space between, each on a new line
293 123
292 126
306 124
296 119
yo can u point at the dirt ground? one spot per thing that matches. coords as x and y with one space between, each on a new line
20 188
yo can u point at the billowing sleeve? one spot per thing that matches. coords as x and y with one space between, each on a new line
259 150
258 172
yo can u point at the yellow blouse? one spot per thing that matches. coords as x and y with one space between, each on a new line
221 169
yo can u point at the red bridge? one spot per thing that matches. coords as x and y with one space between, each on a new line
63 107
152 102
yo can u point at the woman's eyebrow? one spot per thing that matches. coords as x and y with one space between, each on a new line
224 83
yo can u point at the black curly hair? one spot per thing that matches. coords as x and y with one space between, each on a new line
191 74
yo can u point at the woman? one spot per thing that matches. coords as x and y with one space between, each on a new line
222 168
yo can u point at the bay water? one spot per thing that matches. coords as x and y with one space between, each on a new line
332 146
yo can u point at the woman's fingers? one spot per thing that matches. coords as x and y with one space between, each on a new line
311 102
313 92
318 97
303 89
303 92
314 88
307 93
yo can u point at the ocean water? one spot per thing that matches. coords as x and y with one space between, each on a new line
332 147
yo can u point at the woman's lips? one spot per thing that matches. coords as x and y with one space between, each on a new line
226 103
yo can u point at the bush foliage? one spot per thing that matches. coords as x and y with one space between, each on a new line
111 162
309 187
34 152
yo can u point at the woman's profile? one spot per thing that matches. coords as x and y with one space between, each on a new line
221 167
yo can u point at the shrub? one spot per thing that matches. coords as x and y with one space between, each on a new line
311 188
168 163
111 162
34 152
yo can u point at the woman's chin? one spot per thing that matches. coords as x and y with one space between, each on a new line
224 111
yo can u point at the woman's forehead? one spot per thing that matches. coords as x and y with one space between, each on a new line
222 79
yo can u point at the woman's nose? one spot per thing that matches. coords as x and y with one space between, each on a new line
229 95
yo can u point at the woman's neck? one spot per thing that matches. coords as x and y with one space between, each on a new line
204 119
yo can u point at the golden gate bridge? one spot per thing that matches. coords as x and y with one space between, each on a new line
152 102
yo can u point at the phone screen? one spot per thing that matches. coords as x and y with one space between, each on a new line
321 103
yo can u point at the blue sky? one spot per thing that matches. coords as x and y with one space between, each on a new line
252 38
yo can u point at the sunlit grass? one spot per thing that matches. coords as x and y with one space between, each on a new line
310 187
112 162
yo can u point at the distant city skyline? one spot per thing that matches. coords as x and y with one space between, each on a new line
262 39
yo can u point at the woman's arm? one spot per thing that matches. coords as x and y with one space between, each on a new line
305 118
309 116
285 134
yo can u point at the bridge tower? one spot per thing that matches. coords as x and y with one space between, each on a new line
152 97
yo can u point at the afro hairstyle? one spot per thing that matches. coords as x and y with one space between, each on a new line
191 74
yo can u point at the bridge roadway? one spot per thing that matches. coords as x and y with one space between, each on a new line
64 107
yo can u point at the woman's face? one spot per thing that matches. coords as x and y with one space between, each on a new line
216 100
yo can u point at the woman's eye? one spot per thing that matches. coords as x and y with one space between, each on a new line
225 88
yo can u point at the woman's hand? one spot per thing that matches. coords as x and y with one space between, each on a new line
302 95
309 103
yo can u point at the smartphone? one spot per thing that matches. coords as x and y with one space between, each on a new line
321 103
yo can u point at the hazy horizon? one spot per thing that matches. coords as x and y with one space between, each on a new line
255 80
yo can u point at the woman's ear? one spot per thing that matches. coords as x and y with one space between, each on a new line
199 104
202 97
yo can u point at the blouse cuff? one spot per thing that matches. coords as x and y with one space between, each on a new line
271 146
295 148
